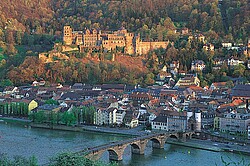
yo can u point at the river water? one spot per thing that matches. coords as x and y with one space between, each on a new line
44 144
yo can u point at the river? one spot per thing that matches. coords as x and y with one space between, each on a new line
44 144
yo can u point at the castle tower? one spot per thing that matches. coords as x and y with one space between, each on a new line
129 46
67 35
138 44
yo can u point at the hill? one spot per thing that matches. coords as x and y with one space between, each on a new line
28 27
25 15
148 16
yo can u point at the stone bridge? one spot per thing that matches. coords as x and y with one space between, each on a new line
138 145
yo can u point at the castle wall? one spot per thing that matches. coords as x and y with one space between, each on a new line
92 39
113 41
145 47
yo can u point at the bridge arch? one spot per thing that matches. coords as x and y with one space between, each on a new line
155 140
113 155
193 135
158 142
135 148
138 147
173 136
188 135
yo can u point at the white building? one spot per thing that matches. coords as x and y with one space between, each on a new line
101 116
235 123
198 65
109 116
227 45
119 116
142 109
234 62
112 115
176 121
248 129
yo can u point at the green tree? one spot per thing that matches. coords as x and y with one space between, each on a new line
38 117
239 70
51 101
209 77
230 84
68 118
17 161
6 82
66 159
53 118
149 80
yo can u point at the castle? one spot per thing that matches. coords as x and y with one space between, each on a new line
96 40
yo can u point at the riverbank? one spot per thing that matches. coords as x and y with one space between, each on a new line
56 127
196 145
15 120
82 128
138 131
211 146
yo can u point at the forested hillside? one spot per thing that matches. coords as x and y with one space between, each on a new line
28 27
148 15
25 15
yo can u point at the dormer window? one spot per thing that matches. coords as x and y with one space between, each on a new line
233 116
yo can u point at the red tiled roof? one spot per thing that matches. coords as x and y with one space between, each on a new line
196 88
237 102
219 84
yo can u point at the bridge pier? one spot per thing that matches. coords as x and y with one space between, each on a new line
182 137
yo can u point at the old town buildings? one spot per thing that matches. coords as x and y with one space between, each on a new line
175 108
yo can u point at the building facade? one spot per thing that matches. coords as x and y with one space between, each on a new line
198 65
171 122
248 131
234 123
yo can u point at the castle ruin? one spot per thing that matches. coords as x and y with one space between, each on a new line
120 39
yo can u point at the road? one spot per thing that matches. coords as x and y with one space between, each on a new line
137 131
225 146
